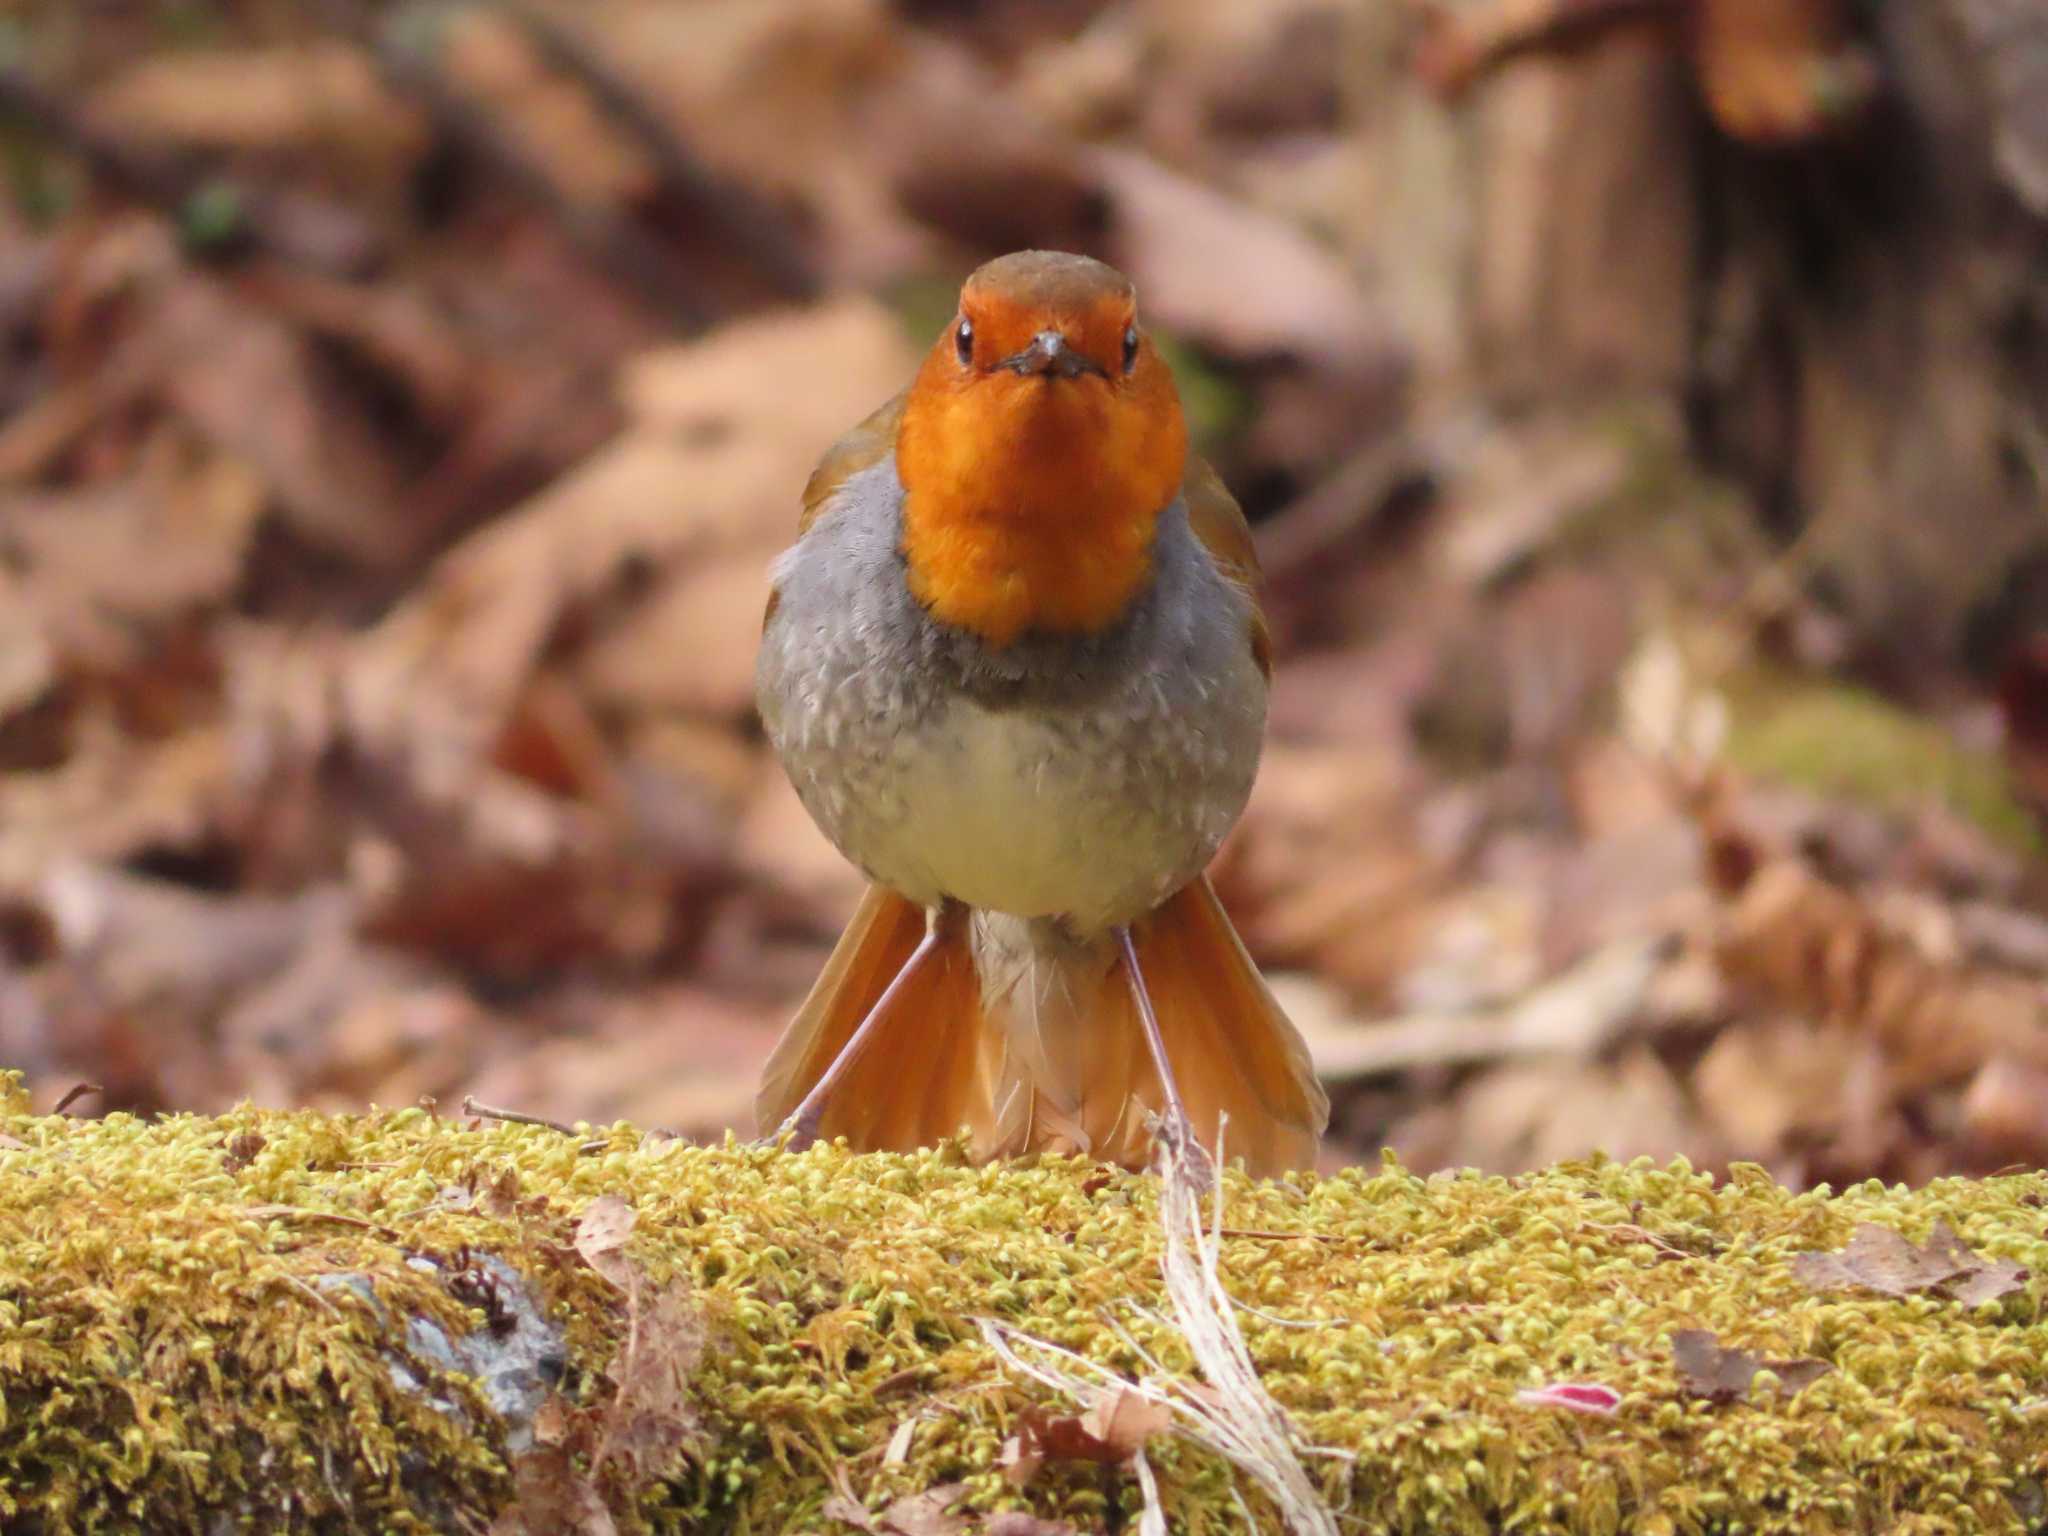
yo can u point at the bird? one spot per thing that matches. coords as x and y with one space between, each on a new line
1015 667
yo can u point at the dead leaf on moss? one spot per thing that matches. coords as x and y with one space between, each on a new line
649 1425
651 1422
917 1514
601 1233
1112 1431
1017 1523
1707 1368
551 1497
1882 1260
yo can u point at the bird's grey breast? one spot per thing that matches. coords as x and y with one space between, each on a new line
1082 777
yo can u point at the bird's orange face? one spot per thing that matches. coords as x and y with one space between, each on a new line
1041 441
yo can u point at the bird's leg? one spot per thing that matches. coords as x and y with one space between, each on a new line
802 1125
1175 1128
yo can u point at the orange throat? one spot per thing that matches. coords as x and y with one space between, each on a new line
1031 505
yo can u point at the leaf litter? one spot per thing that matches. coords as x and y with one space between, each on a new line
587 1460
1883 1260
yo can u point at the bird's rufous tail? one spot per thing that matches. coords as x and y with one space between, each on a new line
1032 1040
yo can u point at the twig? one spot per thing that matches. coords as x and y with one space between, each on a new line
76 1092
761 237
478 1111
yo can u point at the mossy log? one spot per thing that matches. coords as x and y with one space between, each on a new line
290 1321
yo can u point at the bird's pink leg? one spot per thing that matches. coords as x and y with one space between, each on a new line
802 1125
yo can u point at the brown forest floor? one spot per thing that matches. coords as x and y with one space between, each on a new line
398 413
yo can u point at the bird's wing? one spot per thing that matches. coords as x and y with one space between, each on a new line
1219 523
864 445
861 446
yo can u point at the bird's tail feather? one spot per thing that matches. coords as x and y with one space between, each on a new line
1031 1039
928 1068
1075 1035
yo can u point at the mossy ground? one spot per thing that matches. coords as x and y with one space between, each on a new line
166 1351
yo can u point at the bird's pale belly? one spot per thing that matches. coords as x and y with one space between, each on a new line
1039 813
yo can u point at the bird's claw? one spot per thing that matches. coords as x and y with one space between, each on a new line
1184 1153
799 1133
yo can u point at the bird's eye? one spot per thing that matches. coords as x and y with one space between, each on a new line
963 342
1130 348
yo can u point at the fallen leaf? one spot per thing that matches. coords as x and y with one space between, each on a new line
1996 1278
1112 1431
916 1514
1123 1420
1578 1396
601 1232
1882 1260
1017 1523
926 1514
848 1510
1706 1368
551 1497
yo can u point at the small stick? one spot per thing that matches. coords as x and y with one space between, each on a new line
478 1111
77 1092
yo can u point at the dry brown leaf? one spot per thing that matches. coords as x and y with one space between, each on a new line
1017 1523
1188 246
1799 942
1112 1431
926 1514
601 1232
2005 1112
929 1513
1882 1260
681 650
552 1497
249 383
489 59
651 1422
314 94
1709 1369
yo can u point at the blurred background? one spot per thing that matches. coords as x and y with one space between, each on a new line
1643 408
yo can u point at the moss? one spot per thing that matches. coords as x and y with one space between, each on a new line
167 1349
1836 739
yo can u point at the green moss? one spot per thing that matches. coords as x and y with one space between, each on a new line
166 1350
1836 739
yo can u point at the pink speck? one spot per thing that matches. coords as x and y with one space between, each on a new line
1578 1396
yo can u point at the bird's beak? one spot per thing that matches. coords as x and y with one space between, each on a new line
1050 355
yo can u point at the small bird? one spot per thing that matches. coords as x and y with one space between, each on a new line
1016 670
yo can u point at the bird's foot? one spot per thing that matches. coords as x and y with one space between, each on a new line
1180 1151
799 1133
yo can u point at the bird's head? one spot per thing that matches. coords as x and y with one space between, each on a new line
1041 441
